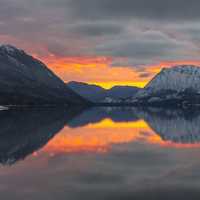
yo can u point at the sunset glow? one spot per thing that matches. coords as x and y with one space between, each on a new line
100 99
109 85
96 137
98 70
99 137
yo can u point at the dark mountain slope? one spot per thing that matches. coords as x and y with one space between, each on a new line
96 93
25 80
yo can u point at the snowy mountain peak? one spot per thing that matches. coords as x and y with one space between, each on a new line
177 85
7 48
185 69
177 78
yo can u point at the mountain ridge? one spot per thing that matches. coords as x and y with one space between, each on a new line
177 85
96 93
25 80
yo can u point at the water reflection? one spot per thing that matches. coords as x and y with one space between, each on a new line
179 126
95 115
23 132
93 130
97 129
99 153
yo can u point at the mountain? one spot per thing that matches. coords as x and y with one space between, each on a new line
179 85
96 93
120 92
91 92
25 80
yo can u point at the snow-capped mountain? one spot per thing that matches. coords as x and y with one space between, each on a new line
26 80
177 85
176 78
96 93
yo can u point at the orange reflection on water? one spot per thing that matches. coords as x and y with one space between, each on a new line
100 137
96 137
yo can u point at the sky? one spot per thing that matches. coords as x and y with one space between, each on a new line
106 42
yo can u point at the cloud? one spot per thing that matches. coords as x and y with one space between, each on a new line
148 47
145 75
96 29
133 32
9 10
152 9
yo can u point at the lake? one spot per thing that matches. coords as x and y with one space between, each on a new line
100 154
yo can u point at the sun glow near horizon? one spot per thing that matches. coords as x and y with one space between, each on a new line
98 70
109 85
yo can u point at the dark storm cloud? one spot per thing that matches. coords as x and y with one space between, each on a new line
145 48
58 49
97 29
154 9
144 32
10 10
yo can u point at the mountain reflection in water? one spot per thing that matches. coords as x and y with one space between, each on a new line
99 153
23 132
93 130
97 129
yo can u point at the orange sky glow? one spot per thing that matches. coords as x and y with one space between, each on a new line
95 69
98 70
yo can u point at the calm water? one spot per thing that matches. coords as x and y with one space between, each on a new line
99 154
